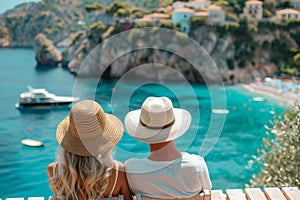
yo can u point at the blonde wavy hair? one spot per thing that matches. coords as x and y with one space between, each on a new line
77 177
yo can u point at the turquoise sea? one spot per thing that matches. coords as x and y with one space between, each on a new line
23 169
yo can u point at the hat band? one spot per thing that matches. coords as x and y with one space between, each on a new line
158 128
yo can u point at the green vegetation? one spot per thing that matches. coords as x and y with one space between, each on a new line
229 27
145 24
197 21
93 7
168 25
166 3
296 59
230 16
97 26
230 63
279 156
137 13
76 38
267 13
284 4
289 70
221 3
118 9
269 7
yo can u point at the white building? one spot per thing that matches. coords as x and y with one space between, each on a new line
182 16
288 14
199 4
216 14
254 9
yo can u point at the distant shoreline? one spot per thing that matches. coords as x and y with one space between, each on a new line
288 98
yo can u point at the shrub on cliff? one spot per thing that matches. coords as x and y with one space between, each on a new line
229 27
118 9
93 6
167 24
279 156
296 59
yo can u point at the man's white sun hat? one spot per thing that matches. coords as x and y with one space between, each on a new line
157 121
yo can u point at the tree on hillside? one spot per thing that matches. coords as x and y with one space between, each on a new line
118 9
296 59
93 7
284 4
279 156
270 6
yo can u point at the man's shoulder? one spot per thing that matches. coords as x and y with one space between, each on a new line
193 159
135 164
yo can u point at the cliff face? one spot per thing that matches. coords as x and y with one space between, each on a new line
56 19
45 52
240 56
243 55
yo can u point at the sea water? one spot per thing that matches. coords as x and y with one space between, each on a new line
23 169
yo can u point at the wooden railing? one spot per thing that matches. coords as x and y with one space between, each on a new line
274 193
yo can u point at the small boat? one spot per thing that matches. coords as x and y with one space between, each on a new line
41 98
220 111
32 143
258 99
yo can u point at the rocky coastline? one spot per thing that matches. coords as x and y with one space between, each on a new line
241 55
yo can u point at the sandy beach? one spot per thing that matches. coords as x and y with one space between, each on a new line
284 96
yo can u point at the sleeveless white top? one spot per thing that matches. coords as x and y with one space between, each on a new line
116 178
182 178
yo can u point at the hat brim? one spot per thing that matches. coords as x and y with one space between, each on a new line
90 146
151 136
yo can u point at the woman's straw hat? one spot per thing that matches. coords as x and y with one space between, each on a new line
157 121
88 130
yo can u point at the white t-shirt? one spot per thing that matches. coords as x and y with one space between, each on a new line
184 177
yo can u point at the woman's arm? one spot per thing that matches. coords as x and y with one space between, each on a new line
124 184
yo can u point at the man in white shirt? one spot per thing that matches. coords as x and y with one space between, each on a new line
166 172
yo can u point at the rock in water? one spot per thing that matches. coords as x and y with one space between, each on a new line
45 51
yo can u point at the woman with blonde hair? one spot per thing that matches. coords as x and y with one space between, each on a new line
84 168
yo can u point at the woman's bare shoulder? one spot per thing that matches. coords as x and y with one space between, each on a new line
50 169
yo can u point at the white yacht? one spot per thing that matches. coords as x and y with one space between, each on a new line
39 98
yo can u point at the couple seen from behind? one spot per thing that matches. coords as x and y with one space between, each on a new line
85 169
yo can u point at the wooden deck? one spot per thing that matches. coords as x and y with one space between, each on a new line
275 193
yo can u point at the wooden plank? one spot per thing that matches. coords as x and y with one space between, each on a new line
291 193
274 193
36 198
217 195
255 194
235 194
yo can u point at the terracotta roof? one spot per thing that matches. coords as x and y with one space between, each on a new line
214 7
187 10
145 20
157 15
288 10
201 13
253 2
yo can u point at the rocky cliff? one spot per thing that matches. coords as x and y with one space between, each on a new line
56 19
45 51
241 55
